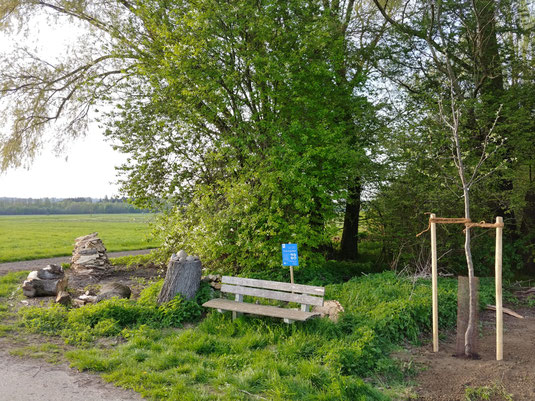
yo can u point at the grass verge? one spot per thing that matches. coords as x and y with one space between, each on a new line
253 358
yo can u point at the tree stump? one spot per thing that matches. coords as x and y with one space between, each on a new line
183 277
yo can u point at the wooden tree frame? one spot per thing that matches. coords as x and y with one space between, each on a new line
433 221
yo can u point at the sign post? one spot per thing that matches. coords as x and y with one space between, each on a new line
290 258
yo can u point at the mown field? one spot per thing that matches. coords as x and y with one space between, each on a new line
44 236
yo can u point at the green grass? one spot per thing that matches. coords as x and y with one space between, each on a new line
253 358
260 358
35 237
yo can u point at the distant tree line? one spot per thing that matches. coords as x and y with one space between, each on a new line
28 206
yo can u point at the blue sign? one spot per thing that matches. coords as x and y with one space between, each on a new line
289 255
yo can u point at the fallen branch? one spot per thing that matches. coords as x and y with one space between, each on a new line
506 311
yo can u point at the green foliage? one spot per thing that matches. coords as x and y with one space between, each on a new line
51 320
34 237
149 295
253 151
482 85
321 273
113 316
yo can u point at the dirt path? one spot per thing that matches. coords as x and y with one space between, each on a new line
24 379
34 379
446 378
39 263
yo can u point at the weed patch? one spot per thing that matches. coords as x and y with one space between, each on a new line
487 393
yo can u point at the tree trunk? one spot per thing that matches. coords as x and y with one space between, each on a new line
349 243
463 313
527 230
469 346
183 277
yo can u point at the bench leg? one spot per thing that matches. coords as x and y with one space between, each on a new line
238 298
288 321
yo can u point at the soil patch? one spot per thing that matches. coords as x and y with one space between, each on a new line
446 378
136 278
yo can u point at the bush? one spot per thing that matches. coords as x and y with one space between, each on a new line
321 274
110 317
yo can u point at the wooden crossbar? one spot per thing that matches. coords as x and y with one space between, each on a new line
459 220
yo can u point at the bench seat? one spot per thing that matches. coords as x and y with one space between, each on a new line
262 310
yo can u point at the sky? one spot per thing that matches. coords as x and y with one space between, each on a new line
87 168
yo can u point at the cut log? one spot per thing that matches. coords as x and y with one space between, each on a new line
183 277
36 287
507 311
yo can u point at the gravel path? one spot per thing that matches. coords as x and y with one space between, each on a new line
34 379
39 263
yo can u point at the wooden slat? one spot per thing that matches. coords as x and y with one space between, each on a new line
280 296
262 310
274 285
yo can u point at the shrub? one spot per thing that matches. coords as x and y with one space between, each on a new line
110 317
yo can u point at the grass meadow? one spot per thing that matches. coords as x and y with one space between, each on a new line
45 236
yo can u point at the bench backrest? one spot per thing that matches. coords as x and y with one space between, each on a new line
298 293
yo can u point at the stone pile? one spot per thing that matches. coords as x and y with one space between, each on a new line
332 309
47 281
214 280
89 255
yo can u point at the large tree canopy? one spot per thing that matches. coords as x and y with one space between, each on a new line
243 116
254 129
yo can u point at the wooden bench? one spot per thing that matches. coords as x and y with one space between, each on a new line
305 295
